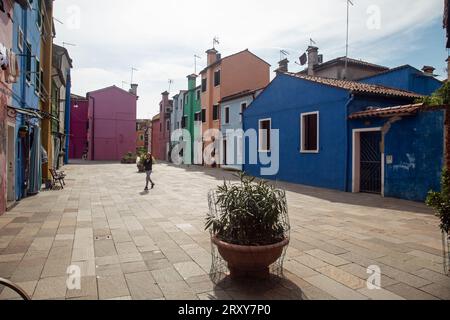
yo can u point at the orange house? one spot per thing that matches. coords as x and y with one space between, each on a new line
227 76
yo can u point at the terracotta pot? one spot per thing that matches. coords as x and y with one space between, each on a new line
250 261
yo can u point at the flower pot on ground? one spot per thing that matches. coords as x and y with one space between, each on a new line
249 226
440 201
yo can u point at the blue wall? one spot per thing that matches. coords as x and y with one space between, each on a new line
406 78
24 95
283 101
417 146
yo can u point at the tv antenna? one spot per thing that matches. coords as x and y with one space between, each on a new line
195 62
215 41
283 54
349 2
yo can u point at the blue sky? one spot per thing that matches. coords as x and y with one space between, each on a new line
160 38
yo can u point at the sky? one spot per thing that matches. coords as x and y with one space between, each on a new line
107 38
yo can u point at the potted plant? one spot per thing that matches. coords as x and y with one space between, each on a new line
440 201
249 225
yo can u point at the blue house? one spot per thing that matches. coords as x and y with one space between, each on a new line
407 78
340 135
26 97
232 113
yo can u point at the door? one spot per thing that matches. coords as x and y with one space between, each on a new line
370 170
11 164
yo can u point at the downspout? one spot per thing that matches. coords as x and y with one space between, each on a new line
347 147
92 144
67 117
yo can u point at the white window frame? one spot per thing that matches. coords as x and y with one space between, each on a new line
260 149
302 132
20 39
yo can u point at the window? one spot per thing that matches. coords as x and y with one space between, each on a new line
243 107
215 112
28 62
183 122
227 115
198 116
141 137
310 132
20 39
39 14
217 78
186 100
198 95
203 115
265 127
168 125
204 86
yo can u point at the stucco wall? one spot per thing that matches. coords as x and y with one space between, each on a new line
283 101
78 128
114 131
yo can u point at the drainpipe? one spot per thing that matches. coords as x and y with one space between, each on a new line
92 144
347 147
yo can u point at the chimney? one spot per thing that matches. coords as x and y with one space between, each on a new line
192 81
133 89
313 59
212 56
283 66
428 70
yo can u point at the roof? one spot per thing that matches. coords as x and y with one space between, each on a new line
405 66
358 87
110 87
372 112
232 55
341 60
157 117
77 97
241 94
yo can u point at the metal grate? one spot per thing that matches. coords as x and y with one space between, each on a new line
371 162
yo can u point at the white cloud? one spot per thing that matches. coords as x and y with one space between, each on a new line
161 37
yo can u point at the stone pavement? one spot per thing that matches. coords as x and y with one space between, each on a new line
135 245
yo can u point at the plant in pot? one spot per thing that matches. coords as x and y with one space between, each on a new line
440 201
249 224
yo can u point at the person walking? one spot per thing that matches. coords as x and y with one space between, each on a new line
148 165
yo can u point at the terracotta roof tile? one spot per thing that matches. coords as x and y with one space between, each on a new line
387 112
358 87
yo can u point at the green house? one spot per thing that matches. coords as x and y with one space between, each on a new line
192 121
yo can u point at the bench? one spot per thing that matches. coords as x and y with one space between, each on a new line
58 177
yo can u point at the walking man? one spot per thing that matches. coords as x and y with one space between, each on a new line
148 165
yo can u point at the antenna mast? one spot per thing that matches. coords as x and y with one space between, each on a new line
132 74
170 84
349 2
195 62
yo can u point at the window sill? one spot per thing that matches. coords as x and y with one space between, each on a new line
310 152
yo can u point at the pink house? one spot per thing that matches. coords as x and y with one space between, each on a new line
112 123
78 126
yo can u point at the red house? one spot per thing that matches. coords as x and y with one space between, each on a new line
161 129
78 127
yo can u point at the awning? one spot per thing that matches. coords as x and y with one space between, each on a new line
28 112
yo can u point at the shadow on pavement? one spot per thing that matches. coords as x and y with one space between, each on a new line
275 288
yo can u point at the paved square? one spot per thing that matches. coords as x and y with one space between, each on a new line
135 245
